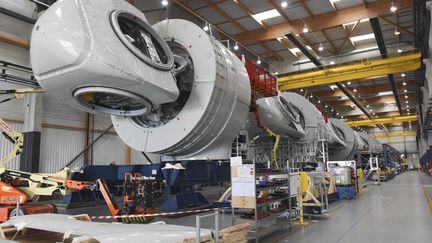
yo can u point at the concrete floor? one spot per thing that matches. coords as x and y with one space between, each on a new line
395 211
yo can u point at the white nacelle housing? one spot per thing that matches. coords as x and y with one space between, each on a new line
100 57
170 88
215 111
292 115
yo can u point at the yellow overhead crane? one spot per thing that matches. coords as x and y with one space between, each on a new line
391 135
365 69
387 120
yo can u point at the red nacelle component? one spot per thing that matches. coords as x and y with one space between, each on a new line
261 80
324 113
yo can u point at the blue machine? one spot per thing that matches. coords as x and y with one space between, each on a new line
390 156
116 172
346 192
113 175
181 184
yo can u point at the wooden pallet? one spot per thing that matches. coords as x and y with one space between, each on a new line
233 234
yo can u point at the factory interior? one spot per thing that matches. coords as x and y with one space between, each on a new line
215 121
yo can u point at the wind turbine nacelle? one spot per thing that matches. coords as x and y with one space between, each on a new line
171 88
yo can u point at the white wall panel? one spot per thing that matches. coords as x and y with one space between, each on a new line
14 54
54 112
58 147
6 147
108 149
11 110
19 30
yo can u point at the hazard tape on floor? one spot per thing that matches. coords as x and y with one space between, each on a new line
157 214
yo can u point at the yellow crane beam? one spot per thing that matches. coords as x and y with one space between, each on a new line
387 120
364 69
391 135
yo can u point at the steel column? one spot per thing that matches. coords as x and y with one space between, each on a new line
29 160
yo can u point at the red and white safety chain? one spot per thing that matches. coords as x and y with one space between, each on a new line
157 214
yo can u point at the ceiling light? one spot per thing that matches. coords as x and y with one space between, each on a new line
284 4
404 83
333 87
373 113
164 2
259 61
399 50
276 73
406 96
321 47
367 106
407 106
406 102
403 75
385 93
309 48
393 7
319 101
301 90
370 110
294 50
206 27
342 117
236 47
326 106
266 15
349 83
311 96
337 114
405 90
305 29
397 32
362 37
408 113
332 63
355 90
332 109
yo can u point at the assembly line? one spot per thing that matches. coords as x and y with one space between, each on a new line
229 150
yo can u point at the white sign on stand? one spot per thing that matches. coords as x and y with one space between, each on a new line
236 161
243 184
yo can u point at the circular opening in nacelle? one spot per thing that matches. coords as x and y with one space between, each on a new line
294 114
184 75
112 101
140 38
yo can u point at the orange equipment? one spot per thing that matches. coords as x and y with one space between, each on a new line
18 187
137 192
12 201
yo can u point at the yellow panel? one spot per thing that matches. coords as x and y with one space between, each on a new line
304 182
377 121
389 135
364 69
